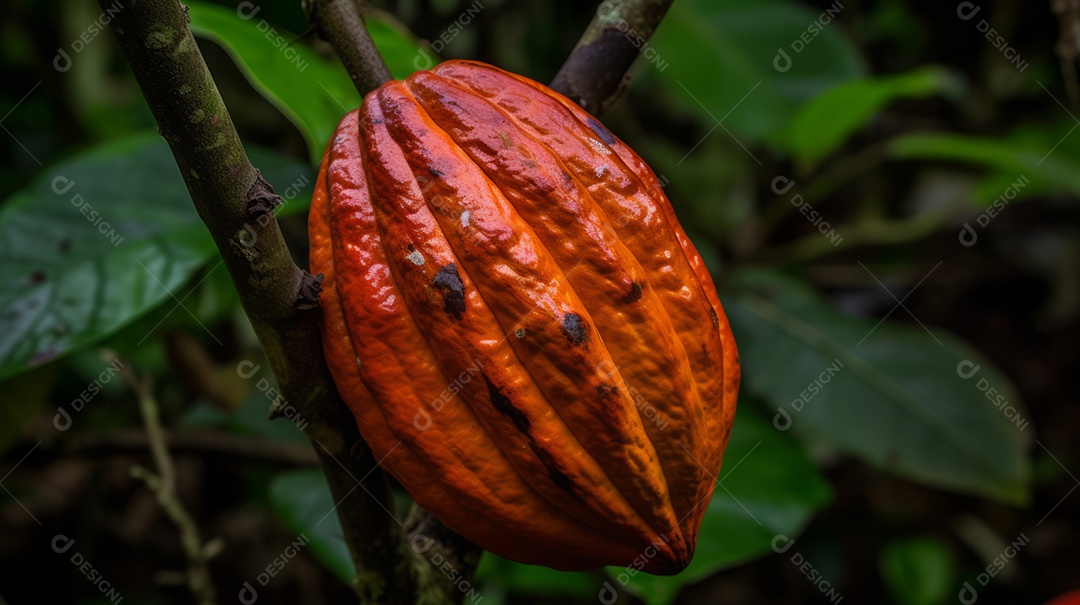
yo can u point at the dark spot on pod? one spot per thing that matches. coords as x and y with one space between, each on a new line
635 292
601 131
412 248
520 333
715 319
506 407
435 172
377 121
557 476
606 390
449 283
575 328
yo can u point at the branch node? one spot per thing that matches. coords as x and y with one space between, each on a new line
310 288
261 199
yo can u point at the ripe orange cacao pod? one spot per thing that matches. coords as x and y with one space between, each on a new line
528 341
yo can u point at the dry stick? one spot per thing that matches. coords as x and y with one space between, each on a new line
236 204
595 73
163 484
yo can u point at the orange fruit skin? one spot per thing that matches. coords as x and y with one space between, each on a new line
527 339
1069 598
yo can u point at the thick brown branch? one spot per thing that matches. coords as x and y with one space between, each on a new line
236 204
339 23
595 73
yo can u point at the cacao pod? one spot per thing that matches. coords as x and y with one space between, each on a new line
528 341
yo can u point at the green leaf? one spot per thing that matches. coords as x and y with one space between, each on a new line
891 395
719 56
918 571
826 122
99 240
313 92
303 501
1040 161
768 487
92 244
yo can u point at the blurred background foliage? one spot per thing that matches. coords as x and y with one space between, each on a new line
888 207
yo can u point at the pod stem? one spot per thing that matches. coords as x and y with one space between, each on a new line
339 22
596 72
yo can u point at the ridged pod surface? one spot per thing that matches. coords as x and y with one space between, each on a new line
528 341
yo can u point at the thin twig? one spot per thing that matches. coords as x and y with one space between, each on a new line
163 484
595 73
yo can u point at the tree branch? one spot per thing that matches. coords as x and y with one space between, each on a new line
339 23
237 205
595 73
204 444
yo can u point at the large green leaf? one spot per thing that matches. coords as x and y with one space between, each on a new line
721 55
902 399
303 501
768 487
313 92
826 122
93 243
100 239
